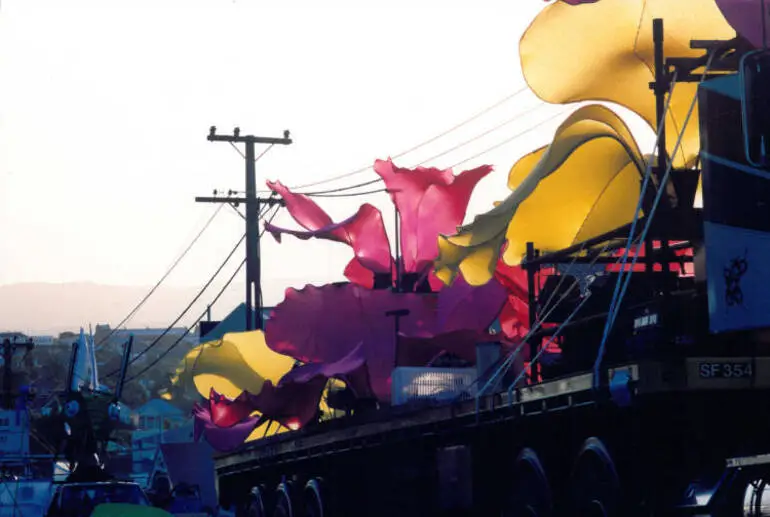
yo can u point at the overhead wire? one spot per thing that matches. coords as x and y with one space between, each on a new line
418 146
617 300
187 331
352 194
510 138
186 310
162 279
198 320
501 125
337 191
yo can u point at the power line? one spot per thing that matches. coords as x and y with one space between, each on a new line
342 189
338 192
179 340
485 133
352 194
163 278
189 306
189 328
509 139
430 140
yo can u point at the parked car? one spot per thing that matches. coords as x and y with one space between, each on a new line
80 499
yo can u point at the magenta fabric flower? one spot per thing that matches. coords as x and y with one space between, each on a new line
335 318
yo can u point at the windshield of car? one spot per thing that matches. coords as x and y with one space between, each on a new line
81 499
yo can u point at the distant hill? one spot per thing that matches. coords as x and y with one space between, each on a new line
47 308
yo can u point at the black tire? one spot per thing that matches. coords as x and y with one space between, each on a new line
530 494
594 484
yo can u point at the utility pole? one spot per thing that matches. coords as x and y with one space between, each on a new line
9 347
252 202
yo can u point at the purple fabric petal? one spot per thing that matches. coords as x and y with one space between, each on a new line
462 306
745 16
324 324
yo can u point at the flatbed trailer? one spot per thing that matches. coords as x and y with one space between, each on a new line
556 446
680 428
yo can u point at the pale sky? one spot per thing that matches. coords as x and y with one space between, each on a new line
105 112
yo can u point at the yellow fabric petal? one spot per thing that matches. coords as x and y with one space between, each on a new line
240 361
585 183
603 51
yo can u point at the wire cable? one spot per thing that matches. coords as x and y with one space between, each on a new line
162 279
352 194
189 328
501 125
329 192
418 146
187 331
648 223
510 139
186 310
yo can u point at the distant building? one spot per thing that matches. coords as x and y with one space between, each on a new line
14 337
233 322
190 463
45 340
14 437
154 419
144 337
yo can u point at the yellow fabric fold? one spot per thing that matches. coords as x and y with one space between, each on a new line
585 183
604 51
239 361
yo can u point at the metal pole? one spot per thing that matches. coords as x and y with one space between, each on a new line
253 290
532 301
398 252
661 88
7 372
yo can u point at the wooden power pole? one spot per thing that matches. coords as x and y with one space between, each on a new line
254 318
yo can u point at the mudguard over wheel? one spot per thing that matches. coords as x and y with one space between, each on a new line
530 494
283 501
594 484
313 499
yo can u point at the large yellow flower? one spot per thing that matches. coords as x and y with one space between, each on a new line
240 361
604 51
584 184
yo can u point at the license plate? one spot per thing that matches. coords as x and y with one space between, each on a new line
725 370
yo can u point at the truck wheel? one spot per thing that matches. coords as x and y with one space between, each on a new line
283 506
313 499
256 504
594 485
530 494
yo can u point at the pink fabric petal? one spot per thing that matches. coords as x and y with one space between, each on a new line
364 232
462 306
303 209
227 412
430 202
223 439
323 324
745 16
361 275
